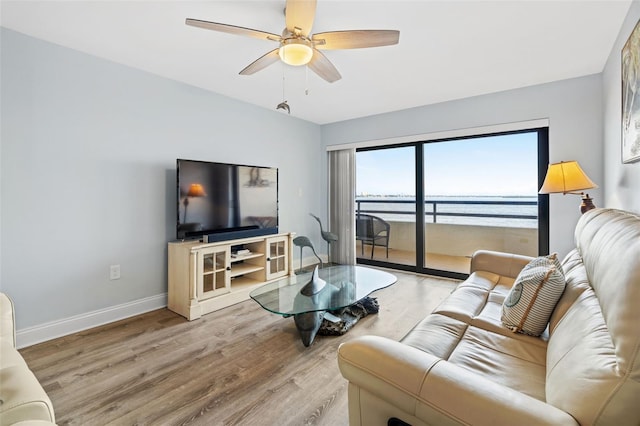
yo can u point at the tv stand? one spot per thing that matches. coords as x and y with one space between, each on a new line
205 277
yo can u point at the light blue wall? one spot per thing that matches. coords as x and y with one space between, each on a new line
622 181
573 108
88 174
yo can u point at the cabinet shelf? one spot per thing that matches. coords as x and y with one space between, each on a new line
245 268
238 282
245 257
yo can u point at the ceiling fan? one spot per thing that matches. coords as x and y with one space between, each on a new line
298 46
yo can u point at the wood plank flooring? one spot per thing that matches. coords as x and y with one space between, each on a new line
238 366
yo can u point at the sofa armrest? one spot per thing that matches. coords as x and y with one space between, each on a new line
437 391
505 264
386 368
7 320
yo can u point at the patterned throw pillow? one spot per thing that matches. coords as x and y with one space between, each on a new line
553 258
535 293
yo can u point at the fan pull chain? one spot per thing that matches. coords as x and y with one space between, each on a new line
306 80
283 105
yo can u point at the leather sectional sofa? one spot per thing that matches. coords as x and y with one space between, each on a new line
461 365
23 401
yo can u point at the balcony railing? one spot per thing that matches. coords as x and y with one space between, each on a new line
454 229
434 209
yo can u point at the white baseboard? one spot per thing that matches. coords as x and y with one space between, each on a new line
51 330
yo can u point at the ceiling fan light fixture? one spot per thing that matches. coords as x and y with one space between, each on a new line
295 51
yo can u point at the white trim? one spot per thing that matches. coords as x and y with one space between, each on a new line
51 330
458 133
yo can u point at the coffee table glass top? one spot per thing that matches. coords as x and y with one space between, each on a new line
346 284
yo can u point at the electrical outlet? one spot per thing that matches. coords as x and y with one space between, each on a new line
114 272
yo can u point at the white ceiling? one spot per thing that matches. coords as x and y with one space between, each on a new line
448 49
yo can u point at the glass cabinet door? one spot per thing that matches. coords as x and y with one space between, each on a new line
278 260
213 272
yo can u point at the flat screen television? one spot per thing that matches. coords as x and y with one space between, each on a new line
225 201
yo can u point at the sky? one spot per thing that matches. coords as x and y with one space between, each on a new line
495 165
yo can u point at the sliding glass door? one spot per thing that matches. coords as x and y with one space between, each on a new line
437 202
386 205
480 193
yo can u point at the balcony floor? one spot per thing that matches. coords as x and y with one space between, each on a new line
438 261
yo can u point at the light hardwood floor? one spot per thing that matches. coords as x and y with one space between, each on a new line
238 366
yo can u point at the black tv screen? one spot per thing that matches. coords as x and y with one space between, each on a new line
231 200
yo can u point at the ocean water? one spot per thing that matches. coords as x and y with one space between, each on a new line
395 208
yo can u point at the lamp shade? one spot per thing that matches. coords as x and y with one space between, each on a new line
565 177
295 51
196 190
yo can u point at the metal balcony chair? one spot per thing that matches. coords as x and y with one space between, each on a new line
372 230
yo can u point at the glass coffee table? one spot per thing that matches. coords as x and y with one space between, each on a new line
308 296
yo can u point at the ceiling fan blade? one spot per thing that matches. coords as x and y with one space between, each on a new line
300 14
355 39
323 67
232 29
261 63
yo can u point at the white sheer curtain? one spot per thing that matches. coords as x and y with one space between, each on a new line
342 189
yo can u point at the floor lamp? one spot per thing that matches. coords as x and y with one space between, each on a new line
567 177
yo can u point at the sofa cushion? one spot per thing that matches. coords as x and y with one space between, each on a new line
490 319
488 281
576 283
510 362
466 330
464 303
530 303
436 334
